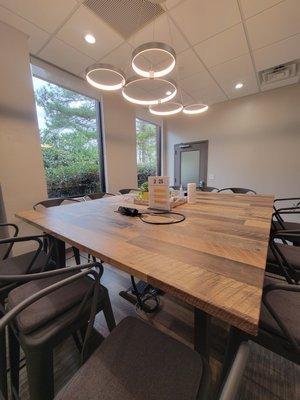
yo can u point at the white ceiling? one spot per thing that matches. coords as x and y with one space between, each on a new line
218 42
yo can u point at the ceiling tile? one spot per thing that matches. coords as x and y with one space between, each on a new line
171 3
66 57
37 37
84 21
274 24
223 47
209 95
48 15
187 64
252 7
121 58
201 19
234 71
197 82
162 30
184 97
278 53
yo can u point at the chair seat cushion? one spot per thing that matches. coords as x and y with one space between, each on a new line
287 306
137 362
48 307
19 265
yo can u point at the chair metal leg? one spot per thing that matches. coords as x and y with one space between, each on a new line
76 255
108 313
39 363
3 365
202 333
14 360
60 252
77 341
235 338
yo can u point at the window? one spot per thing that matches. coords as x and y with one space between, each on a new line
148 145
70 139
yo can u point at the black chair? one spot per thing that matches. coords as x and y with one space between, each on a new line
238 190
126 191
70 308
137 361
96 196
55 202
279 326
283 258
208 189
30 262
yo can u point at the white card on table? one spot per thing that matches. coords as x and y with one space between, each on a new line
159 192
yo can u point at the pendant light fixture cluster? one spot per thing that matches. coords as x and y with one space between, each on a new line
152 62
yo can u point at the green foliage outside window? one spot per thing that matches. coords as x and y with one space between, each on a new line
146 142
69 141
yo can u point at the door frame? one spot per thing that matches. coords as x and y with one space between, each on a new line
202 145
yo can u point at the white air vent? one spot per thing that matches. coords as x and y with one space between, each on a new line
125 16
281 75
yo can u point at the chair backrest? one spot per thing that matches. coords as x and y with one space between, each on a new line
238 190
289 271
126 191
209 189
96 196
55 202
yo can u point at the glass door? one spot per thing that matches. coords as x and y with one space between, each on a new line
190 163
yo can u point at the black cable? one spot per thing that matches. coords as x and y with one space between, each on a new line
163 213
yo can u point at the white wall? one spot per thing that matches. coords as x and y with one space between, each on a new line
254 141
21 167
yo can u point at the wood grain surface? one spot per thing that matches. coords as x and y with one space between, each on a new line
214 260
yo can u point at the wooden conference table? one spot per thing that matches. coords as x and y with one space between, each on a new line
214 260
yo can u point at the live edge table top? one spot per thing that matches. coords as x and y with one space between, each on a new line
214 260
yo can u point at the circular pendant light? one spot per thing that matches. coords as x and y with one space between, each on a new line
166 109
147 92
153 60
105 77
195 109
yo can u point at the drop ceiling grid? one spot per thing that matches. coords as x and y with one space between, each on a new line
260 10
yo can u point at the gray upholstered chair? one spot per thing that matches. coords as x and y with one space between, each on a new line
237 190
138 362
70 307
34 261
279 326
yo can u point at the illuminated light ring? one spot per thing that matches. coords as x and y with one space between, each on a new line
149 47
201 108
105 67
148 102
177 109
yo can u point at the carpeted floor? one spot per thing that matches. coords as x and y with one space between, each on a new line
267 377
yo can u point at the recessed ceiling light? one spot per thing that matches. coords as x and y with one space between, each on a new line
90 39
168 93
239 85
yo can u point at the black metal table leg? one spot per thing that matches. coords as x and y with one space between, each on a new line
201 332
59 252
